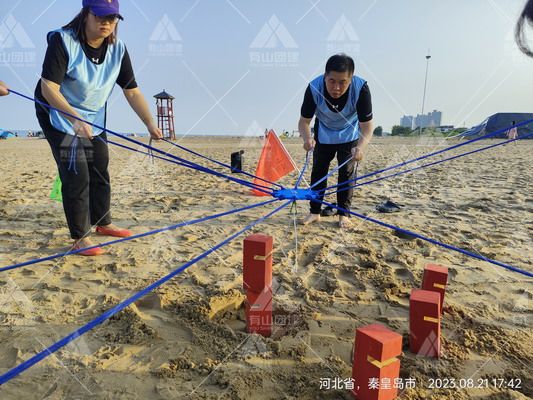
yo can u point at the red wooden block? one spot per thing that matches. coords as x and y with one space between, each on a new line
257 262
435 279
259 312
424 323
376 349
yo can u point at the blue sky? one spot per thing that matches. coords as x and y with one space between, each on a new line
239 66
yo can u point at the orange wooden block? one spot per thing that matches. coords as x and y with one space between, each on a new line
435 279
424 323
258 311
375 358
257 262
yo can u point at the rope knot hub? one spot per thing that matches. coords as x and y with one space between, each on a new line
295 194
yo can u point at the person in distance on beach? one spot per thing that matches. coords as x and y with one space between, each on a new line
512 133
342 105
83 61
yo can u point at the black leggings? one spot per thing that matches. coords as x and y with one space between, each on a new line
86 189
323 154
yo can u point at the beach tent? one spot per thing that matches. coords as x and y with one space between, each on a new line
500 121
6 134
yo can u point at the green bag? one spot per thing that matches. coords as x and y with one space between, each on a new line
55 194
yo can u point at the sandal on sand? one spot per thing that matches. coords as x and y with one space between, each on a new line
329 211
95 251
388 207
113 232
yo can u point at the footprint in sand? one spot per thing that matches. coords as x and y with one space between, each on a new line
10 357
404 274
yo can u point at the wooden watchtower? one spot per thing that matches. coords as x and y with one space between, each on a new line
165 115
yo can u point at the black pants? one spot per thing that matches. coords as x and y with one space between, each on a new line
85 182
323 154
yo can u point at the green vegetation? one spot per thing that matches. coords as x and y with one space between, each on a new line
398 130
408 132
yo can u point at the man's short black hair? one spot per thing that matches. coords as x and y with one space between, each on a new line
340 63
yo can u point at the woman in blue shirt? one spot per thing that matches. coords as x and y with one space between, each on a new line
83 62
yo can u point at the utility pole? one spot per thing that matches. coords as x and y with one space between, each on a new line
428 57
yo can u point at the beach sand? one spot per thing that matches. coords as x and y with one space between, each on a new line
187 340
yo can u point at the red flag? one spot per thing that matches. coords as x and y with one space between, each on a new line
273 164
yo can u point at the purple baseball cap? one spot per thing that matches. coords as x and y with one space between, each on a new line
103 8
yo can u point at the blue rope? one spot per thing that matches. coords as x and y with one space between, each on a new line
431 154
197 167
303 170
140 235
222 164
148 153
201 169
119 307
331 173
355 172
430 240
73 155
427 165
192 164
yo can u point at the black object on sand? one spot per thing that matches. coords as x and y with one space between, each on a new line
236 162
388 207
329 211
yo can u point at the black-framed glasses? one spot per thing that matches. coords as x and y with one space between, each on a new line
112 19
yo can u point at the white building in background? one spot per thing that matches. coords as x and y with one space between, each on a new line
407 121
430 120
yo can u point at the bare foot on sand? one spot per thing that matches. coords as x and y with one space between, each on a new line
310 219
344 222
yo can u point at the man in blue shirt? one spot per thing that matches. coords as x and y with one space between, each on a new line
342 105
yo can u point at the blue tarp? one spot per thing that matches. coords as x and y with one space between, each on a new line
6 134
501 121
